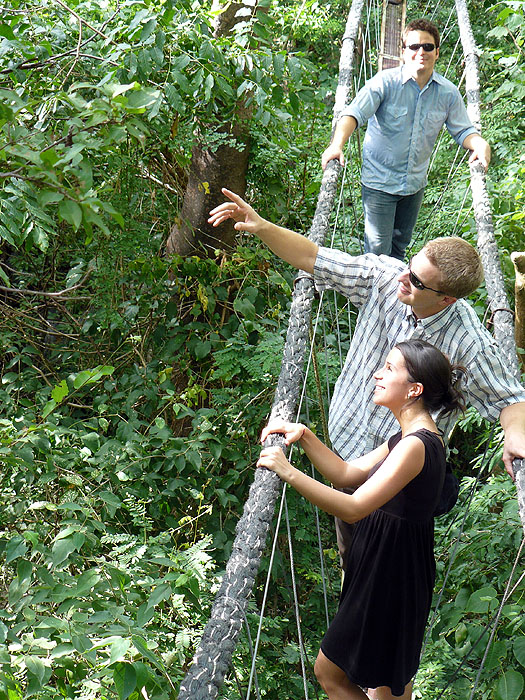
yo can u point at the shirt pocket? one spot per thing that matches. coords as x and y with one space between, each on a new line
435 119
395 114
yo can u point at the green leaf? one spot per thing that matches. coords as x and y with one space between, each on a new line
244 307
208 86
70 212
519 650
46 197
59 392
49 157
294 66
7 32
110 498
125 680
36 666
121 89
278 65
510 686
16 547
91 441
119 649
160 593
141 99
181 80
182 61
24 570
140 646
482 600
49 408
82 643
148 29
294 102
173 97
4 277
62 549
82 378
202 349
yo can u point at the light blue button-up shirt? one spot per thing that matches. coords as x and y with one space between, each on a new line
403 124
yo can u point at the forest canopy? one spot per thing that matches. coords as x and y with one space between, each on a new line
139 351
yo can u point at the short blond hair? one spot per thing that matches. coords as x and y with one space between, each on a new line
459 265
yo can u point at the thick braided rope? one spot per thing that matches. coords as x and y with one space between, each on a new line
488 249
213 657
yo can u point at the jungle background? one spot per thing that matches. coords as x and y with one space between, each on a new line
139 349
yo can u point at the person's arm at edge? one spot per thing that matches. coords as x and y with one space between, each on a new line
401 466
479 148
293 248
340 473
512 419
344 129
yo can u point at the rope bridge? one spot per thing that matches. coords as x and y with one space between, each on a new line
213 657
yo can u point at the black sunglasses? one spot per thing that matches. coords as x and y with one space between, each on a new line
415 47
417 283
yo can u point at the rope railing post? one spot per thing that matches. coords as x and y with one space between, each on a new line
213 656
488 249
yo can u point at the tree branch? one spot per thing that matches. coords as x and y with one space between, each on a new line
79 18
52 295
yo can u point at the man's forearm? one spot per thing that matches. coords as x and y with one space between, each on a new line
344 129
291 247
513 417
480 148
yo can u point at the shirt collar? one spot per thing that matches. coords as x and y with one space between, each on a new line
405 76
430 323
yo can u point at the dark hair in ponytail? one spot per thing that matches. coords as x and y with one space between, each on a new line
440 379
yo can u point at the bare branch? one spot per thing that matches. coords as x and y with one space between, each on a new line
52 295
83 21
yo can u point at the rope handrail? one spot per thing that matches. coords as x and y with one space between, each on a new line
488 249
213 656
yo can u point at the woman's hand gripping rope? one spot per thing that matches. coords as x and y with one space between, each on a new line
273 457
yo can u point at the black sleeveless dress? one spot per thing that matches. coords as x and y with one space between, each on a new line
377 634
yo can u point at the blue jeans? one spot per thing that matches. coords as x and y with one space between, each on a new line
389 221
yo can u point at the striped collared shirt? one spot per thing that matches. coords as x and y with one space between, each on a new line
356 425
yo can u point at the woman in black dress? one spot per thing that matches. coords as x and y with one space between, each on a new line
375 639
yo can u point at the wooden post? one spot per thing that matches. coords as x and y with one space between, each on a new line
519 328
392 25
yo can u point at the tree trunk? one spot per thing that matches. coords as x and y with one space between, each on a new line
211 170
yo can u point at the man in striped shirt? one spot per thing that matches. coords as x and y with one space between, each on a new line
395 303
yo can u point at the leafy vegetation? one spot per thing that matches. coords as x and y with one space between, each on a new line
134 385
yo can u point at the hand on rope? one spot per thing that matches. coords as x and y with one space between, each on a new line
241 212
291 431
273 458
480 151
332 153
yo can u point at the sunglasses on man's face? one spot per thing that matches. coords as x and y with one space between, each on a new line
426 47
417 283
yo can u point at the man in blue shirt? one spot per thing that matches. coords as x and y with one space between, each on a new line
405 109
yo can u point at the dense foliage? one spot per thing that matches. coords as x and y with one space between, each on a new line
134 386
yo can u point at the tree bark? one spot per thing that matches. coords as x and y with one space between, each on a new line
210 170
